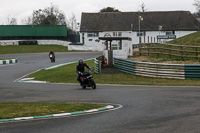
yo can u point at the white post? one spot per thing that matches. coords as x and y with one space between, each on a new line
139 29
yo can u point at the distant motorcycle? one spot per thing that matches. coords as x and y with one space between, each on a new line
52 56
86 80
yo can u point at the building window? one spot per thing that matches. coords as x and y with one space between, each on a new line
116 34
141 33
119 33
117 46
94 34
97 40
169 33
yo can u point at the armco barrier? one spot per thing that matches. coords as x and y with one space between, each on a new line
123 65
192 71
158 70
96 66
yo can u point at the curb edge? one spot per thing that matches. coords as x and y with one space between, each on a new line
59 115
10 61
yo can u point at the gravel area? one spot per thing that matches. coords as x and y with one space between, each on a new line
110 70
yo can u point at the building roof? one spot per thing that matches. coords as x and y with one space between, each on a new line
122 21
33 30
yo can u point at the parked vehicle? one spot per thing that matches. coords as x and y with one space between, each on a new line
86 80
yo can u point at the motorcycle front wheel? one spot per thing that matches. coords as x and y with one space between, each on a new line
83 86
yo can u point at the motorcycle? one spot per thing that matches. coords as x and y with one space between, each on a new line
52 57
86 80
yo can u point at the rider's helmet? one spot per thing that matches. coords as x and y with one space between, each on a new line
80 61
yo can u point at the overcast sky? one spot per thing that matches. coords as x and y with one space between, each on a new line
23 8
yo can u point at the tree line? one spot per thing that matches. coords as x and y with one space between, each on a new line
54 16
197 13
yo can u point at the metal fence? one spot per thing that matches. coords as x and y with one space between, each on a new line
172 50
158 70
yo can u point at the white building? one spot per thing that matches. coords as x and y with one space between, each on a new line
148 26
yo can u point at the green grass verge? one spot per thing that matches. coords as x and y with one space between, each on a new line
7 59
14 110
191 40
32 49
67 74
64 74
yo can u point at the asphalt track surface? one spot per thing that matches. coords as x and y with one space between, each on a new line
146 109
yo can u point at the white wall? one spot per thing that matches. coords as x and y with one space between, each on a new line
135 39
53 42
183 33
40 42
154 34
90 42
126 50
8 42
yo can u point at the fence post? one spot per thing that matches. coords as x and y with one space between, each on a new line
99 62
181 52
140 51
196 53
170 52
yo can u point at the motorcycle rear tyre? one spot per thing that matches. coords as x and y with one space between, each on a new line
93 84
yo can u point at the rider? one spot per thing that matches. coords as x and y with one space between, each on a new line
80 68
52 54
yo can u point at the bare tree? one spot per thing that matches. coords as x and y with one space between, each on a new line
48 16
27 21
143 7
197 13
72 23
197 4
11 21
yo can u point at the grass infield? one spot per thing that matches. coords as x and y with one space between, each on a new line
6 59
190 40
32 49
67 74
16 110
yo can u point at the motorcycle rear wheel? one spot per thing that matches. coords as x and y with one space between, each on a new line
93 84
